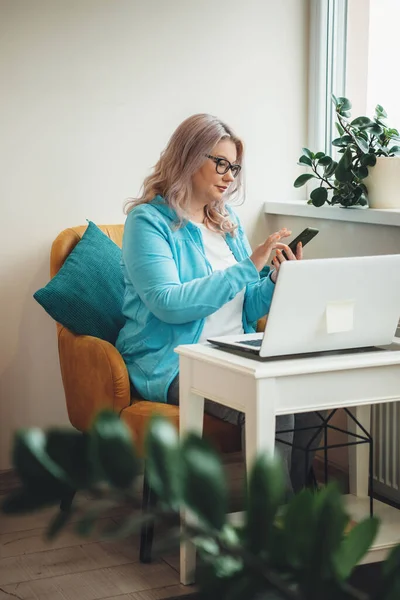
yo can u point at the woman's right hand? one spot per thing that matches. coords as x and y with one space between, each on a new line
262 253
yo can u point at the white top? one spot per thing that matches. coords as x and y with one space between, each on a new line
228 319
275 368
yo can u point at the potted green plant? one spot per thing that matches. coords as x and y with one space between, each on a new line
368 171
300 551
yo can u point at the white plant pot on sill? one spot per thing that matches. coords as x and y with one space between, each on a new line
383 183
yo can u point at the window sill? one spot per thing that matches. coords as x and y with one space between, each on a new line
371 216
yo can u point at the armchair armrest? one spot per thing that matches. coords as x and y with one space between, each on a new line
261 323
94 376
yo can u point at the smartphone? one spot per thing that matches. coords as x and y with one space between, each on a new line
304 237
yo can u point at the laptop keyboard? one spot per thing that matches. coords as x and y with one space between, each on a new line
255 343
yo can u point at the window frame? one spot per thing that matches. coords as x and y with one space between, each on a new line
327 69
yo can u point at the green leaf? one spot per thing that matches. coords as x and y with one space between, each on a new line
227 566
343 104
375 129
207 545
319 196
361 172
361 121
395 150
204 485
391 572
305 160
331 521
340 129
343 172
334 99
302 179
358 192
299 528
69 449
278 558
343 141
330 169
164 466
265 493
362 144
354 546
380 111
390 588
363 134
111 449
325 161
362 201
34 466
392 563
380 151
229 536
368 160
58 523
308 152
319 155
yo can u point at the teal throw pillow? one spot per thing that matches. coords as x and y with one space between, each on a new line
86 294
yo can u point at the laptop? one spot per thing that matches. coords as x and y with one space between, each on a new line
324 305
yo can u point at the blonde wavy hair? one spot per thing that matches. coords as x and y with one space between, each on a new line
184 154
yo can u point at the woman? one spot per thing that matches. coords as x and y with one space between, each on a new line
188 267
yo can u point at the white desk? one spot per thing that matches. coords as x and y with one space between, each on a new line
263 390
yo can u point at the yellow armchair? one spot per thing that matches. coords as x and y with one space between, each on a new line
94 377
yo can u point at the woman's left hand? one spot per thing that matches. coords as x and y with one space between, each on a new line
280 258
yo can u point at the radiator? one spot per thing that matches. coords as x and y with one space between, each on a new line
385 429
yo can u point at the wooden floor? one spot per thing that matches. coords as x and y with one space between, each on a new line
73 568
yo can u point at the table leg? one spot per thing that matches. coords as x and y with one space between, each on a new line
260 419
191 415
359 455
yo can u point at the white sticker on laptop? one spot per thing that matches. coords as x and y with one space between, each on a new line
340 316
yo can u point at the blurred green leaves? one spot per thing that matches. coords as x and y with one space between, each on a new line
204 485
45 480
301 550
265 494
354 546
111 451
164 461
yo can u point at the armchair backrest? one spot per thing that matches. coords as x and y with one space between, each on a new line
93 372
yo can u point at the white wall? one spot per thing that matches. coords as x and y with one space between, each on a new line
383 80
372 58
90 92
358 24
339 238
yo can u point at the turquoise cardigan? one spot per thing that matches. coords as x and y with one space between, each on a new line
170 288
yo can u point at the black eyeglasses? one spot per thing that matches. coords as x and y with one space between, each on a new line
222 165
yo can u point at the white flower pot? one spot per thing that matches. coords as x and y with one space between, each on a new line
383 183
